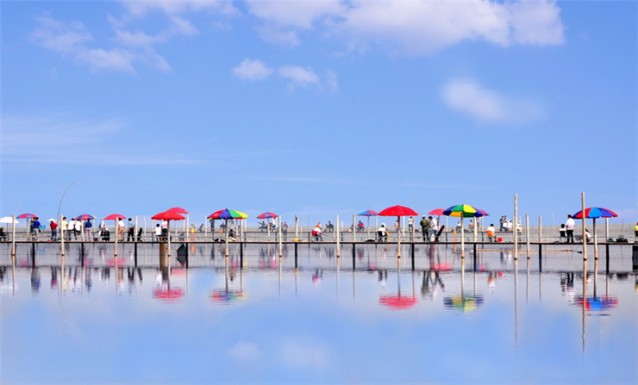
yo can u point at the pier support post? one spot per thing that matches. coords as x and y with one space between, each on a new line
296 253
412 252
354 255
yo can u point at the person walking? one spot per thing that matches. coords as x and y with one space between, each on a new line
569 228
130 231
434 228
53 225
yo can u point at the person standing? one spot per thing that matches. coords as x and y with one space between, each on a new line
426 225
53 225
130 231
562 233
569 228
636 231
71 230
77 229
88 229
65 229
434 228
35 227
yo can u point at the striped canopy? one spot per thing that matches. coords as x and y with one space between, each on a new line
595 212
228 214
464 211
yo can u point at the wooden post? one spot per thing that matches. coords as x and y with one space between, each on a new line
337 244
515 227
281 244
296 254
13 237
540 229
412 252
354 256
584 223
527 236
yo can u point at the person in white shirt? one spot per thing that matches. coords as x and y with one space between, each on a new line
569 229
491 233
382 233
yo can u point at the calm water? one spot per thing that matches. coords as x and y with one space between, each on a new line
500 321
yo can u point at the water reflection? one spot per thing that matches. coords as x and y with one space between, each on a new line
309 311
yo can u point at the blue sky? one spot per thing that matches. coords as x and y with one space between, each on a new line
318 108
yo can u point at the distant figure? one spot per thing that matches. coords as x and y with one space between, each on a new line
3 236
562 232
158 232
330 227
65 228
284 230
426 226
569 229
130 233
587 236
434 228
411 224
53 225
360 226
88 228
70 229
636 231
35 227
491 233
316 233
382 233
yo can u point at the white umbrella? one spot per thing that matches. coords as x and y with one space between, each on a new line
9 220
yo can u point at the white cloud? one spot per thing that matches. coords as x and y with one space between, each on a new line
295 13
332 81
298 76
174 7
488 106
252 70
273 35
417 26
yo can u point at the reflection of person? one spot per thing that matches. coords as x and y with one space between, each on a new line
382 233
569 229
491 233
562 232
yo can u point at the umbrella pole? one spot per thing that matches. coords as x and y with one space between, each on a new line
399 238
595 241
117 235
281 245
226 237
13 239
462 242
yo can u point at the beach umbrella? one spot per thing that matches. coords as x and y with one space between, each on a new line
595 213
115 218
178 210
9 220
462 211
267 215
438 212
227 214
368 213
84 217
27 216
168 216
398 211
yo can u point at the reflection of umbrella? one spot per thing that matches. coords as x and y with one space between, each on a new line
463 302
594 213
462 211
84 217
368 213
226 296
397 302
168 294
597 303
398 211
27 215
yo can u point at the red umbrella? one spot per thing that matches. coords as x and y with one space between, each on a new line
267 215
168 216
84 217
114 217
27 215
438 212
397 302
397 211
178 210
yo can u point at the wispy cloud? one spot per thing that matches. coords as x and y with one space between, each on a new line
488 106
60 139
252 70
298 76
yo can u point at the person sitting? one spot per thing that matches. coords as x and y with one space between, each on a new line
562 232
382 233
491 233
105 235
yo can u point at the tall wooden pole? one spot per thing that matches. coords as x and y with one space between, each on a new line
515 227
583 219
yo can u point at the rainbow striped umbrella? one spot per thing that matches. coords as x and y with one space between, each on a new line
228 214
594 213
462 211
